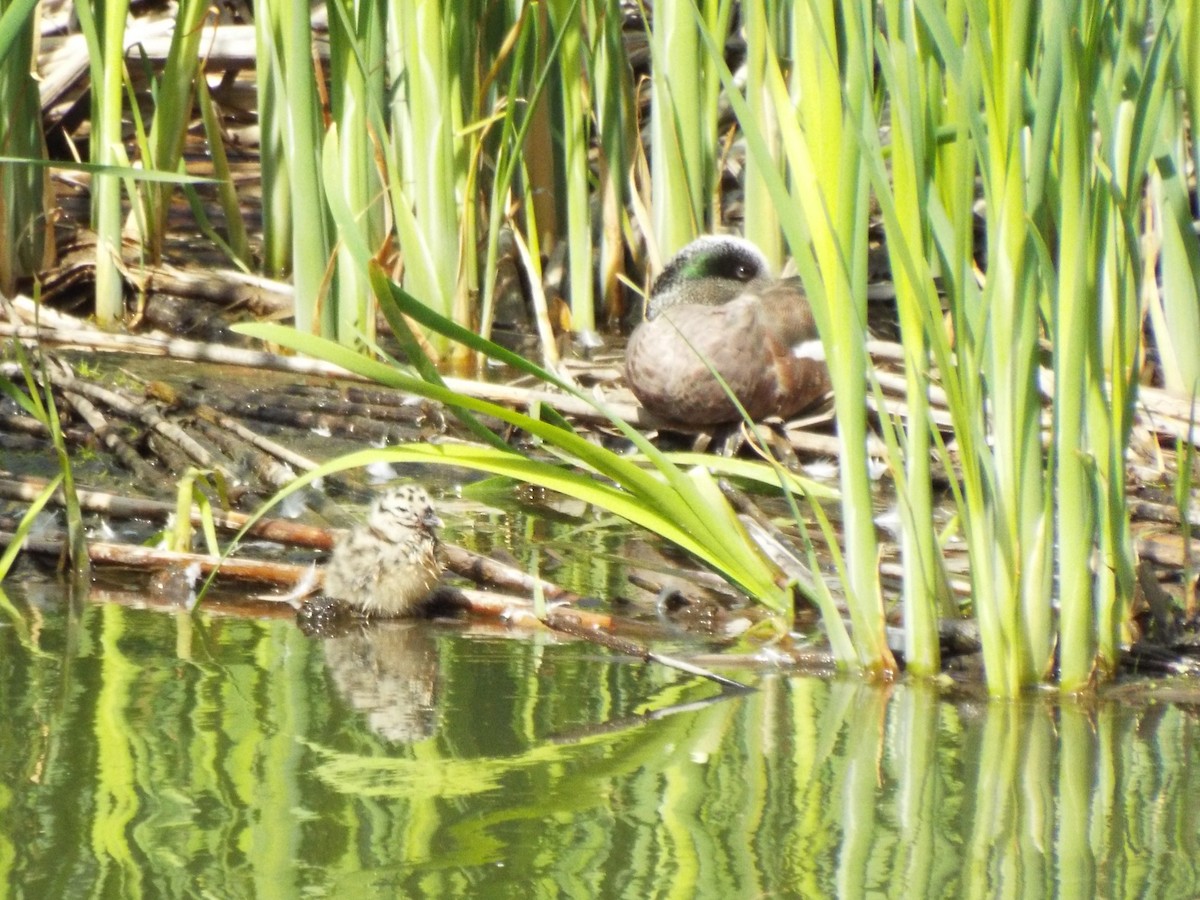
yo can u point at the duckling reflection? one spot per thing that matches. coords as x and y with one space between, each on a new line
388 671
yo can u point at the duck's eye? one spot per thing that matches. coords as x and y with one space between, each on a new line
743 272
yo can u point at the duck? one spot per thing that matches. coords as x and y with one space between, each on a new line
717 302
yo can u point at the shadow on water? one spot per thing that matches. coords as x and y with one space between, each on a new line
170 755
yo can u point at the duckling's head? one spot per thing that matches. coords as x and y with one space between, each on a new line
403 511
709 271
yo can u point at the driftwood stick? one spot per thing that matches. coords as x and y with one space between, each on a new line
482 570
493 574
311 419
269 470
1168 514
375 401
242 607
82 337
595 629
813 443
21 424
117 445
226 46
76 334
514 608
280 574
173 459
276 449
168 394
571 622
141 412
386 407
120 507
262 296
1165 549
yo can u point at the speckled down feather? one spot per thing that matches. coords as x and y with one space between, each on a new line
389 564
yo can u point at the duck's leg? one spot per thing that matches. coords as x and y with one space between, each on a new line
769 437
726 440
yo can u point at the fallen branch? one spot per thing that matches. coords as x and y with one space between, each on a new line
485 570
280 531
287 575
574 623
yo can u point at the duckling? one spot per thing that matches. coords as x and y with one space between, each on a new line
717 301
389 564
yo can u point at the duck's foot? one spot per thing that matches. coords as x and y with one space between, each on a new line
766 439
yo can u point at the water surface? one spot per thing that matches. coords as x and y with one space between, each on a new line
148 753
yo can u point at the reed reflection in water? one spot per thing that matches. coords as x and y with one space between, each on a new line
159 754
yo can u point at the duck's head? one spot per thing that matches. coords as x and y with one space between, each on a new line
709 271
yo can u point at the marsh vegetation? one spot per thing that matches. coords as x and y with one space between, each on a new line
1021 177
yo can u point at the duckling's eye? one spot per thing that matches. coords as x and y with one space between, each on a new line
743 272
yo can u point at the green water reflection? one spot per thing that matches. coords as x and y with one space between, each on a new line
149 754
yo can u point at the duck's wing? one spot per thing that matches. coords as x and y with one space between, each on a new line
670 360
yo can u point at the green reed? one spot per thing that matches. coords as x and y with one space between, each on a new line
425 130
1063 127
105 39
174 93
823 213
617 136
906 73
1052 111
1175 314
295 213
573 122
37 401
761 217
350 175
26 242
683 118
1037 102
